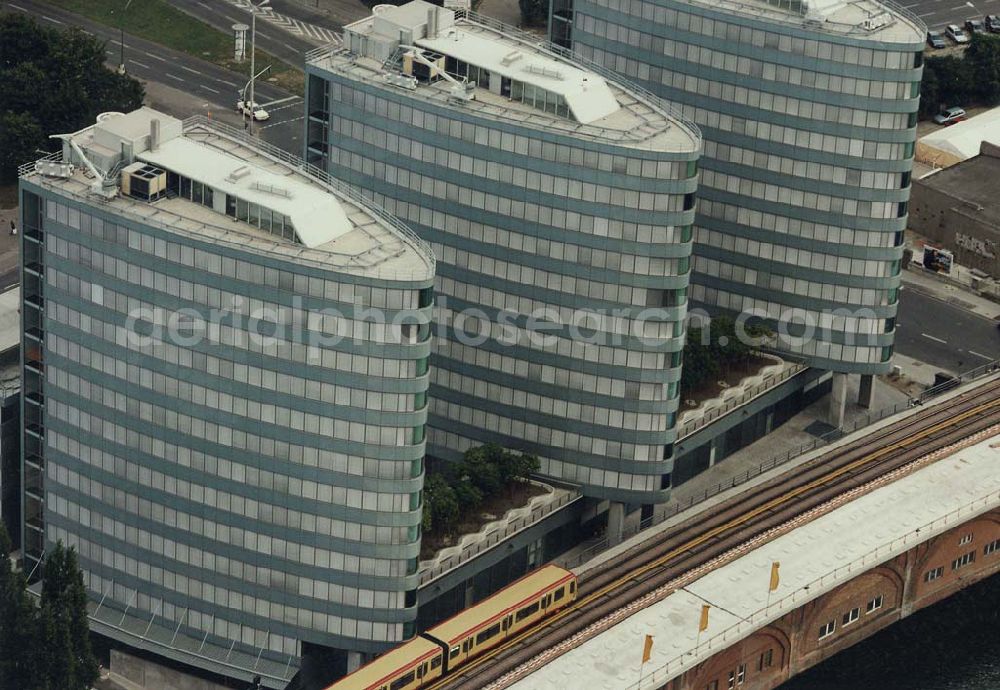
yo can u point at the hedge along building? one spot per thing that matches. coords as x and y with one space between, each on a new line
809 113
546 188
245 480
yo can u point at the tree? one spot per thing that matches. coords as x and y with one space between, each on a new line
64 598
441 508
17 624
481 466
20 135
982 59
707 361
52 82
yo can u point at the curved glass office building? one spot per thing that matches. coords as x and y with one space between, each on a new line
215 415
809 113
558 202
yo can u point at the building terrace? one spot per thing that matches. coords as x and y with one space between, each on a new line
224 187
465 60
881 20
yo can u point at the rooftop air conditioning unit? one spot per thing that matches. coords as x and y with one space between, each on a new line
143 181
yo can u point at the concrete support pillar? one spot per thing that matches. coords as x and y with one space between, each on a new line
354 661
616 522
866 391
838 400
713 447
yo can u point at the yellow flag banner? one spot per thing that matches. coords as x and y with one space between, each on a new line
647 648
703 623
775 578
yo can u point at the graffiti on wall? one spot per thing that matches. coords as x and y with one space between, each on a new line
976 245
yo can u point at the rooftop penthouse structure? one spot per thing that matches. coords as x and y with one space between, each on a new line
234 449
558 201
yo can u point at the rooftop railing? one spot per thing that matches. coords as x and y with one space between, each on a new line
320 176
622 82
773 13
633 93
321 258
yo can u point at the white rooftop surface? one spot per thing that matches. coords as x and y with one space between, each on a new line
587 94
963 139
967 481
128 126
316 214
10 319
608 109
835 16
337 229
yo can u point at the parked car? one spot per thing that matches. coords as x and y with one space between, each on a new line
993 23
975 26
950 116
956 34
245 107
935 40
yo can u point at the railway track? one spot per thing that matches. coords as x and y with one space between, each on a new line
618 582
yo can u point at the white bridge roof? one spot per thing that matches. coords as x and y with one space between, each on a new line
814 558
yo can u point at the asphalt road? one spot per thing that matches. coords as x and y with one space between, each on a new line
213 85
943 335
223 15
938 13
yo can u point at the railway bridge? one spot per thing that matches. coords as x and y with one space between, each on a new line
769 581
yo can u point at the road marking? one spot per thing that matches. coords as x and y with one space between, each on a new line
280 100
136 62
155 57
973 352
229 82
173 77
17 7
54 21
208 88
193 71
937 340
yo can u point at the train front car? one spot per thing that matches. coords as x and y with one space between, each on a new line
449 645
409 666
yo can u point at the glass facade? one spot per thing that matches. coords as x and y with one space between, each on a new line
244 481
805 175
584 240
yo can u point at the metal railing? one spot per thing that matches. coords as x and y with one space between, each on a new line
320 176
321 258
734 401
788 17
578 60
672 509
808 592
496 537
670 113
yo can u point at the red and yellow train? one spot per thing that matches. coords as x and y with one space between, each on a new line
447 646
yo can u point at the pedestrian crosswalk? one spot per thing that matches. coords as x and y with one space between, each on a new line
310 32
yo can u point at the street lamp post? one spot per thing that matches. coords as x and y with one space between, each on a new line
121 42
253 54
